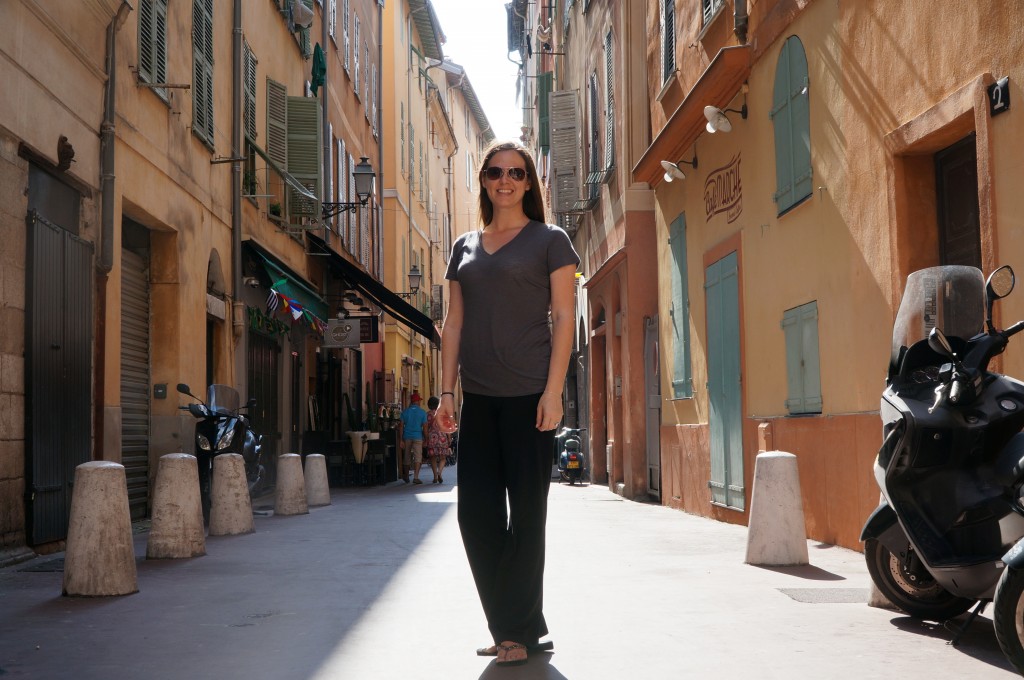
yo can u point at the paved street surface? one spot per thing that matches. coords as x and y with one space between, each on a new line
377 586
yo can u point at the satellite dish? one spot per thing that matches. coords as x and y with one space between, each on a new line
672 171
717 120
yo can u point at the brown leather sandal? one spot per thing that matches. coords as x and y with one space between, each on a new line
509 648
545 646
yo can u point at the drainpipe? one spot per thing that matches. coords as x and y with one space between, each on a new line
740 18
106 263
236 180
325 117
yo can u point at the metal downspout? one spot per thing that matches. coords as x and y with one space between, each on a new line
740 19
325 122
236 183
106 263
380 133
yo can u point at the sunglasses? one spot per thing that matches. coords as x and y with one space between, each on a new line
495 173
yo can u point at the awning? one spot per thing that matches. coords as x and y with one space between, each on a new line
378 292
290 180
716 87
288 283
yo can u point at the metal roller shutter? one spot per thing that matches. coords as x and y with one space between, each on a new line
135 380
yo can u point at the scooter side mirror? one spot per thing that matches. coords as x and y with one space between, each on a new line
999 285
940 344
183 388
251 403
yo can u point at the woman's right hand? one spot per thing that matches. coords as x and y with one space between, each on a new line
446 407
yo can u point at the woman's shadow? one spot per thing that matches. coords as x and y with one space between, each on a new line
539 667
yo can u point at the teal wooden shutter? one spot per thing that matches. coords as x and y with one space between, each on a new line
304 153
277 123
791 119
545 82
682 385
803 374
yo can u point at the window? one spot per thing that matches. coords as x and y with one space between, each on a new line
803 376
679 312
668 39
355 56
153 43
202 58
346 18
277 123
249 90
609 102
594 137
710 8
332 18
350 236
401 135
791 118
366 80
412 154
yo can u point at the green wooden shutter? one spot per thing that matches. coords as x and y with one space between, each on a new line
544 84
249 77
791 119
153 42
202 57
682 385
565 149
803 375
277 123
304 153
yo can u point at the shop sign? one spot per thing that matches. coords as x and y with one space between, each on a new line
723 192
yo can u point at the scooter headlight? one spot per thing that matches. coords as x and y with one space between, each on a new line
226 438
204 443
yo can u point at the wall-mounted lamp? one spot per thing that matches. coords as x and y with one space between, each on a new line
414 282
673 171
364 180
718 121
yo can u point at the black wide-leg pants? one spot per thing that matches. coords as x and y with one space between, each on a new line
502 454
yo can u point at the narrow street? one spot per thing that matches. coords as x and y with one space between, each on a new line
377 586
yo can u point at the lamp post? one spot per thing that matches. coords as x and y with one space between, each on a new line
364 181
414 282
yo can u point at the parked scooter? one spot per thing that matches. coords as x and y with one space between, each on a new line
951 465
572 464
222 428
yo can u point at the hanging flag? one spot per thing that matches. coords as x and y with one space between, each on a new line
296 313
272 302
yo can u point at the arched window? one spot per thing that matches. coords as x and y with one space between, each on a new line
792 121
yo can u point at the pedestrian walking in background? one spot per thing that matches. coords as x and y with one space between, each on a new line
413 433
508 336
438 445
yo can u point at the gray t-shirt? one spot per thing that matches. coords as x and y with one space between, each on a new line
506 341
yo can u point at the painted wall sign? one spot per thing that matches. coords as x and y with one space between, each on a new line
723 192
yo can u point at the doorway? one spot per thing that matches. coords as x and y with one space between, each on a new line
652 410
956 198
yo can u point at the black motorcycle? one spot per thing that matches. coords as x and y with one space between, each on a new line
572 464
951 465
222 428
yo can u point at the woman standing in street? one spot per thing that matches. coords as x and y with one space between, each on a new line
508 336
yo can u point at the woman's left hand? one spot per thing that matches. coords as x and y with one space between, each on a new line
549 411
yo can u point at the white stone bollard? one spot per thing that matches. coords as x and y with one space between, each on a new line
176 531
230 505
318 492
776 533
100 558
290 496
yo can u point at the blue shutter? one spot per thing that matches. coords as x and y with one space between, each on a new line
791 119
803 374
682 386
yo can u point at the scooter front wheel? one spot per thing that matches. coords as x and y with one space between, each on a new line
911 589
1008 616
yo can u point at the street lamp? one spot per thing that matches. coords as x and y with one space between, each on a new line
364 180
414 282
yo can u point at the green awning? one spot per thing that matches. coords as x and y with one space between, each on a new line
289 284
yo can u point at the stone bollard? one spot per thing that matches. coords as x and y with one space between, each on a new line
317 491
100 558
176 531
776 533
290 497
231 507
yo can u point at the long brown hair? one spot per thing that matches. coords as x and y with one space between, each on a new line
533 201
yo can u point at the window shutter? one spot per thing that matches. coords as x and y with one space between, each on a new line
277 123
346 18
565 130
791 120
342 186
147 40
609 113
544 82
350 236
401 136
305 153
668 39
412 154
160 67
249 88
682 385
332 24
355 55
373 100
803 376
202 57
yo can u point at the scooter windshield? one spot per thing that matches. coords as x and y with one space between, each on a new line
950 298
222 399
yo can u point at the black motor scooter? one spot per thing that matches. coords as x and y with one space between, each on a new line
222 428
951 466
572 464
